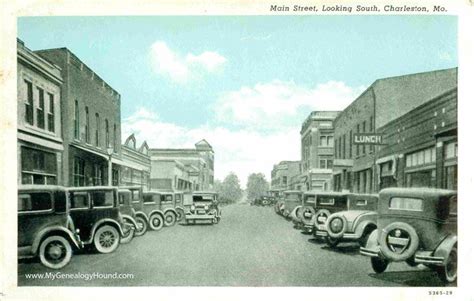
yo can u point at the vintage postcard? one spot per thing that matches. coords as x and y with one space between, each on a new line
236 150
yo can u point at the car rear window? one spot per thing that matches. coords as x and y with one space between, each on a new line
79 200
326 200
361 203
29 202
403 203
102 198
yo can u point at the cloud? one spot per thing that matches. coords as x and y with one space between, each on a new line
277 104
241 151
265 119
182 68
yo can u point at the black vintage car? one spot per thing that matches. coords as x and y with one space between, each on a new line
95 212
45 228
327 203
416 226
263 201
204 207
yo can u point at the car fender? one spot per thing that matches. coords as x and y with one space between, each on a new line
130 219
445 247
47 230
102 222
157 212
179 207
372 241
362 226
142 214
172 210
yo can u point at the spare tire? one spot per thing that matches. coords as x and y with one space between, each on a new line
322 213
398 241
305 209
342 224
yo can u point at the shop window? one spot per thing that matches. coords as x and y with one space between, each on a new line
98 175
422 157
79 172
38 167
29 103
451 177
425 178
451 150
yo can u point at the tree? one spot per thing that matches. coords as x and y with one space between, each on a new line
229 190
257 186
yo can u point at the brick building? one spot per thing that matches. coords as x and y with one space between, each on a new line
383 103
183 168
136 164
90 122
282 175
40 143
317 150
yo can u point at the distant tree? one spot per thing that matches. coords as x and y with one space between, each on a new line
257 186
229 190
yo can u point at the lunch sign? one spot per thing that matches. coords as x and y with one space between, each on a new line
367 139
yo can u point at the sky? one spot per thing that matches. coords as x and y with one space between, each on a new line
243 83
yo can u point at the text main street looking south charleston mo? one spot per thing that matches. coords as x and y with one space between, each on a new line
214 152
356 8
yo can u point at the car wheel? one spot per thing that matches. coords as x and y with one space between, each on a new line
331 241
398 241
55 252
141 226
106 239
449 272
180 213
128 234
170 219
379 265
156 222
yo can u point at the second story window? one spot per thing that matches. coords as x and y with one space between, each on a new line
76 119
51 113
40 109
107 137
88 128
97 126
29 103
115 138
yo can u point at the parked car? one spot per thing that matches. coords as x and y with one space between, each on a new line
179 197
327 203
304 216
95 212
152 208
263 201
416 225
128 215
45 229
278 205
204 208
141 218
291 199
354 224
171 206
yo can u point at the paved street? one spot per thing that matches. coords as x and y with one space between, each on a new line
252 246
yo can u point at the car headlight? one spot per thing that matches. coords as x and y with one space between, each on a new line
336 225
193 207
206 207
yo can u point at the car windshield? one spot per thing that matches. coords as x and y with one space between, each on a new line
202 198
292 197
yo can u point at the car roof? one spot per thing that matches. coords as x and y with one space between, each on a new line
373 195
318 192
292 191
417 192
90 188
41 187
204 192
124 190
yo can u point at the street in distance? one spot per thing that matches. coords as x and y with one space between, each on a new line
357 8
